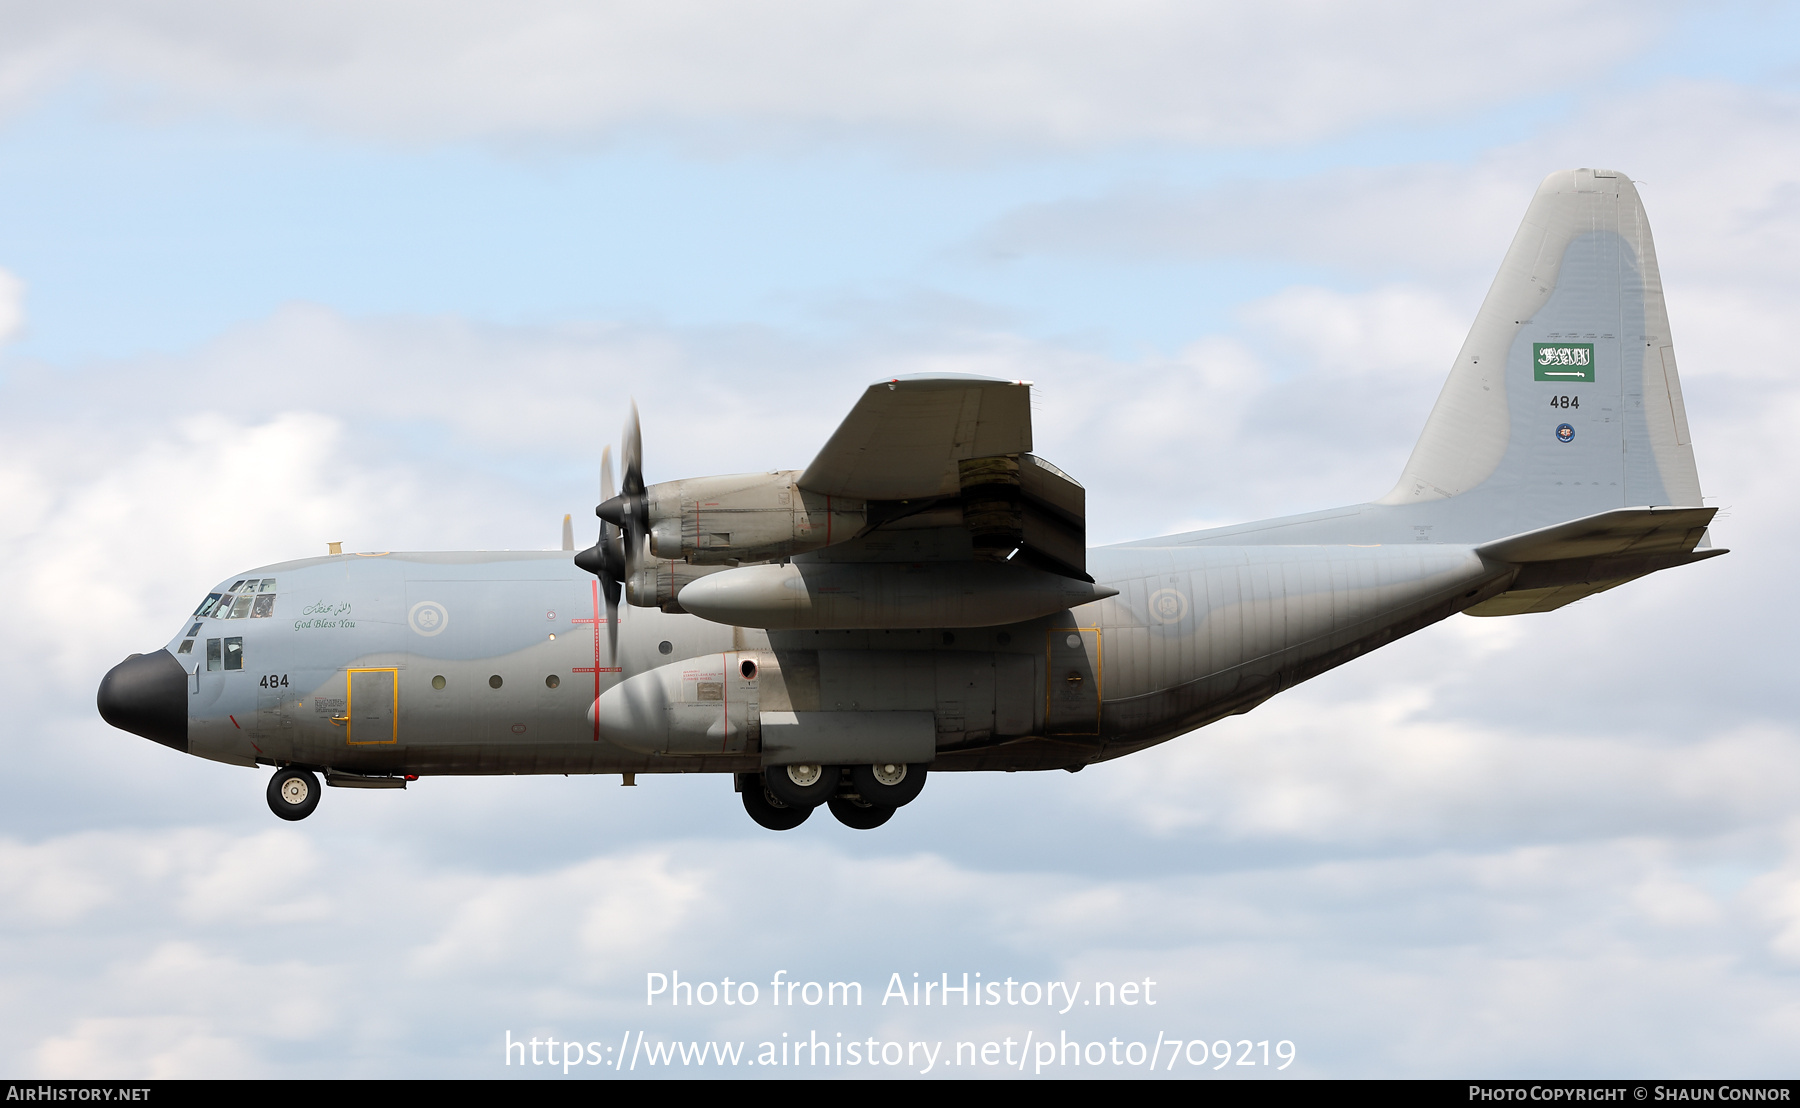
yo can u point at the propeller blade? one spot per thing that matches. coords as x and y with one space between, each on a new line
631 452
606 481
609 588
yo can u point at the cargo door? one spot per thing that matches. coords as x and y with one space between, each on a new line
1072 679
370 707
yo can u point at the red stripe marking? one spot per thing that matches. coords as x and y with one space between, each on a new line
234 722
595 669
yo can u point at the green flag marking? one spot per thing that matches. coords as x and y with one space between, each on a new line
1562 361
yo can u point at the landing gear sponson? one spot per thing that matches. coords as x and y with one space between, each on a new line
864 797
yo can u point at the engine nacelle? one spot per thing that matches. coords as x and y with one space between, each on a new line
658 581
746 517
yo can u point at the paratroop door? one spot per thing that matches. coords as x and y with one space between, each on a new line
370 706
1072 680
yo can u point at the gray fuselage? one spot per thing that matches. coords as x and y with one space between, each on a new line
485 662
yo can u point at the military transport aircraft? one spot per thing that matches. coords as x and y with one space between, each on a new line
921 598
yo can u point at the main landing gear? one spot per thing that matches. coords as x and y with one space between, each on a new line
293 793
864 797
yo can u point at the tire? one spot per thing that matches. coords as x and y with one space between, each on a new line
293 793
768 811
859 814
802 786
888 783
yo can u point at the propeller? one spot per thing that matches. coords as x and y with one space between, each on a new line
605 559
630 510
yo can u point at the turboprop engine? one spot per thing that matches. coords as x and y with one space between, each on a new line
746 517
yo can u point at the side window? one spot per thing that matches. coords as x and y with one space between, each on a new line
234 653
240 607
187 647
264 606
213 655
206 606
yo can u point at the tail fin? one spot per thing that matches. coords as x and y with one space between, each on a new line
1564 401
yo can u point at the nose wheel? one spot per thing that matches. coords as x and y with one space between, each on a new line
293 793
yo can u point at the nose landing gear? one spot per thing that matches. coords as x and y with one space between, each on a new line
293 793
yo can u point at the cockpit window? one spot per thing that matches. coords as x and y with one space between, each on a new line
192 631
236 585
206 605
234 653
264 606
268 585
239 607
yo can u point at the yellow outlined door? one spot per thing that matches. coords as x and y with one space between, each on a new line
1072 681
370 704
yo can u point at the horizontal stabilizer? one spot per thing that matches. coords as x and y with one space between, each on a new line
1561 564
1620 531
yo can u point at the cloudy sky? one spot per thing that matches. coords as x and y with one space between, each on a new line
388 273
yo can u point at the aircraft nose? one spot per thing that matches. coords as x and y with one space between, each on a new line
146 694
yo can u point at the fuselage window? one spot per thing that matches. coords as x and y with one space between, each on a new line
206 606
264 606
234 654
194 630
187 647
213 655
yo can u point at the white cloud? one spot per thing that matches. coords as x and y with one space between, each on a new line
1510 948
1033 72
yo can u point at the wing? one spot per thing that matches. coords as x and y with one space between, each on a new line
925 509
904 438
951 453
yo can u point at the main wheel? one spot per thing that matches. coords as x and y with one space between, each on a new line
801 786
888 783
293 793
768 811
858 813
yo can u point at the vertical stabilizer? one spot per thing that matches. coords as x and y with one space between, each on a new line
1564 400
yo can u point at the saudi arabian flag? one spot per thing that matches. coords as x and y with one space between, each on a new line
1562 361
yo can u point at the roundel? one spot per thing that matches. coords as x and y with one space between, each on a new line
1168 606
1565 432
428 618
